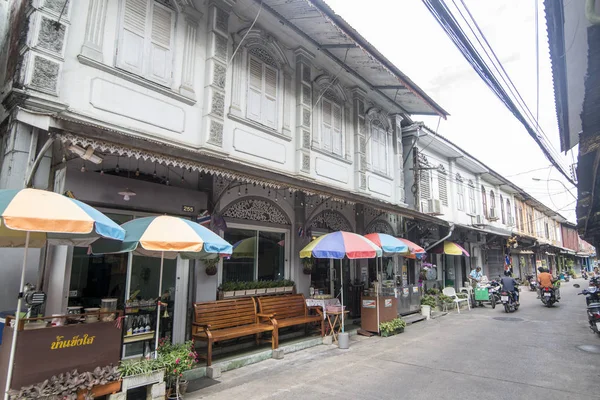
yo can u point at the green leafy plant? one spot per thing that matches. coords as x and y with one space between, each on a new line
461 295
443 299
211 266
433 291
392 327
428 300
176 359
140 367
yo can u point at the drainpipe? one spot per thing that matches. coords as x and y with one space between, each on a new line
36 162
444 238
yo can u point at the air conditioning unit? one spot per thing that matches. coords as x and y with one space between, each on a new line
435 207
493 215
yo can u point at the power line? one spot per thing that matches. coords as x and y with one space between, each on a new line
514 103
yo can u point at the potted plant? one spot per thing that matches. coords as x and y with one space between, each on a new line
228 289
251 288
137 373
307 265
392 327
177 359
211 266
427 303
288 286
271 287
444 301
261 288
240 289
280 286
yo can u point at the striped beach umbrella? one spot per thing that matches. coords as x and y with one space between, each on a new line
165 237
30 217
338 245
388 243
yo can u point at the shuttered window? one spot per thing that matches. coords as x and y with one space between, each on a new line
472 205
379 148
443 187
502 209
425 189
460 192
262 92
331 127
146 40
509 218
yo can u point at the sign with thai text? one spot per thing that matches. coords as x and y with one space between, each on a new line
388 302
369 304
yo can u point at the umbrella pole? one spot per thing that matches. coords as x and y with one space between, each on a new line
162 260
13 346
377 286
342 291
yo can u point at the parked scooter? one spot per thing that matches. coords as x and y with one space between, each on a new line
533 284
508 301
593 308
548 296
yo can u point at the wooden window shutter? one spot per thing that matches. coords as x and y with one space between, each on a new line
255 85
161 38
327 124
443 188
270 97
133 36
337 130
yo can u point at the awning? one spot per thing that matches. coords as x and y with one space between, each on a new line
524 252
450 249
490 230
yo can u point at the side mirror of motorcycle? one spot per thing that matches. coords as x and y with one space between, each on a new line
576 285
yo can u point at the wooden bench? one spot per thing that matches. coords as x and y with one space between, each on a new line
290 310
220 320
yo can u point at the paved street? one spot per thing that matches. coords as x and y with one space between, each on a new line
472 355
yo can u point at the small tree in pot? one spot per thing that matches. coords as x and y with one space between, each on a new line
211 266
177 359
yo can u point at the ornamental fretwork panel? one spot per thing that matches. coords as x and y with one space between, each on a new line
332 221
380 226
257 210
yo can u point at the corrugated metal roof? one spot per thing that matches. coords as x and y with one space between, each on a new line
336 38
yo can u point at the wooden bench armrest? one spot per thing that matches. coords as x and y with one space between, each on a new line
269 316
318 309
203 326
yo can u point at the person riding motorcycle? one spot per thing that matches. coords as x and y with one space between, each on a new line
510 285
546 280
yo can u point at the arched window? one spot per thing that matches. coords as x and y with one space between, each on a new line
509 219
472 205
460 193
502 210
484 201
263 83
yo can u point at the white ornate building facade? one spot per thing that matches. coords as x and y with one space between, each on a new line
276 118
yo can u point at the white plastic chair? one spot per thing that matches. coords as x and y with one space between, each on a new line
450 292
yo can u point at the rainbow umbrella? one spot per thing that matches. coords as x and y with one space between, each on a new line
388 243
338 245
30 217
415 250
165 237
450 248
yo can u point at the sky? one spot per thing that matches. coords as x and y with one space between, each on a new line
409 36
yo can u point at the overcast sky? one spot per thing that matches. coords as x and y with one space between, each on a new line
407 34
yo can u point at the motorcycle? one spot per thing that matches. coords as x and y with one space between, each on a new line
533 284
509 301
548 296
593 308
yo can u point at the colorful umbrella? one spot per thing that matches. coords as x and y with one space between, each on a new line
29 217
449 248
338 245
165 237
415 250
388 243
